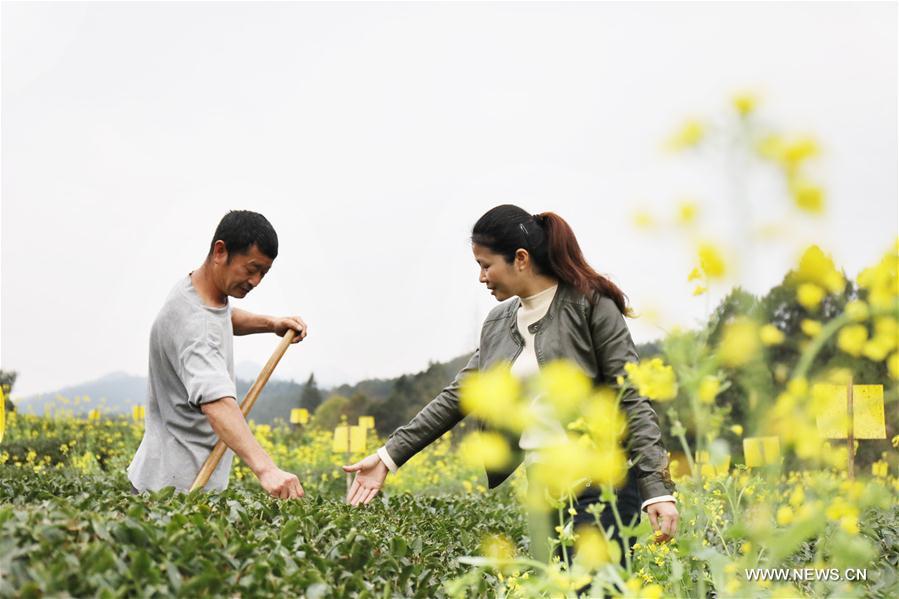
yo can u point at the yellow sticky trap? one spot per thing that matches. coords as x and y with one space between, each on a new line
341 439
367 421
761 451
832 412
299 416
358 436
2 414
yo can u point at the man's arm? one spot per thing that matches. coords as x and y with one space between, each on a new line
229 424
247 323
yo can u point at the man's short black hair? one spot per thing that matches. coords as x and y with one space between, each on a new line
240 229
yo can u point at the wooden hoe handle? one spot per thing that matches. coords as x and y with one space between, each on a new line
246 405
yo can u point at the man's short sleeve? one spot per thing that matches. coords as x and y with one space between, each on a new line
204 372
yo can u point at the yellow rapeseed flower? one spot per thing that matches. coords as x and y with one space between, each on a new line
592 549
771 335
689 135
708 389
493 396
699 290
797 150
851 339
745 103
893 366
881 281
857 310
643 220
739 343
694 275
810 296
810 327
2 414
737 429
485 448
807 196
817 267
497 547
784 515
565 386
686 212
653 379
711 261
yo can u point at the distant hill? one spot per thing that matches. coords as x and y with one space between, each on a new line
114 392
392 401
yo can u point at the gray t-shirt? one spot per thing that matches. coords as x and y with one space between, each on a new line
191 363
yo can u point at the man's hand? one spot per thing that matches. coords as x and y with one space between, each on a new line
286 323
370 475
281 484
663 516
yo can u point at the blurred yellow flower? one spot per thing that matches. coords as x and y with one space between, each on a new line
745 103
808 196
486 449
565 386
605 422
708 389
493 396
2 414
593 550
686 212
567 466
784 515
497 547
893 366
809 296
737 429
818 268
653 379
689 135
643 220
857 310
711 262
849 523
739 343
694 275
699 290
881 281
810 327
851 339
771 335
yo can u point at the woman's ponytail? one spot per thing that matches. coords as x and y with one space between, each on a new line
567 261
552 246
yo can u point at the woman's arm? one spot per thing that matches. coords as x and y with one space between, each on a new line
615 348
436 418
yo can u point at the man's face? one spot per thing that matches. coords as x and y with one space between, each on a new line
243 273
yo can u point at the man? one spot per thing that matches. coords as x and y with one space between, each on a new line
191 391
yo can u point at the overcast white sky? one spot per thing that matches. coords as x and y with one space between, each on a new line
373 136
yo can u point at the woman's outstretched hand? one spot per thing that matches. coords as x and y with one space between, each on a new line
370 475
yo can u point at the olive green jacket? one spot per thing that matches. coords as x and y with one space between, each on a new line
594 335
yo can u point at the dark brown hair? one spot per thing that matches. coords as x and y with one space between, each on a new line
552 245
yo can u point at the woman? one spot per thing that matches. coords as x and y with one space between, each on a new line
558 307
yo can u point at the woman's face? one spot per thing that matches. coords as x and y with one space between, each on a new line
500 276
